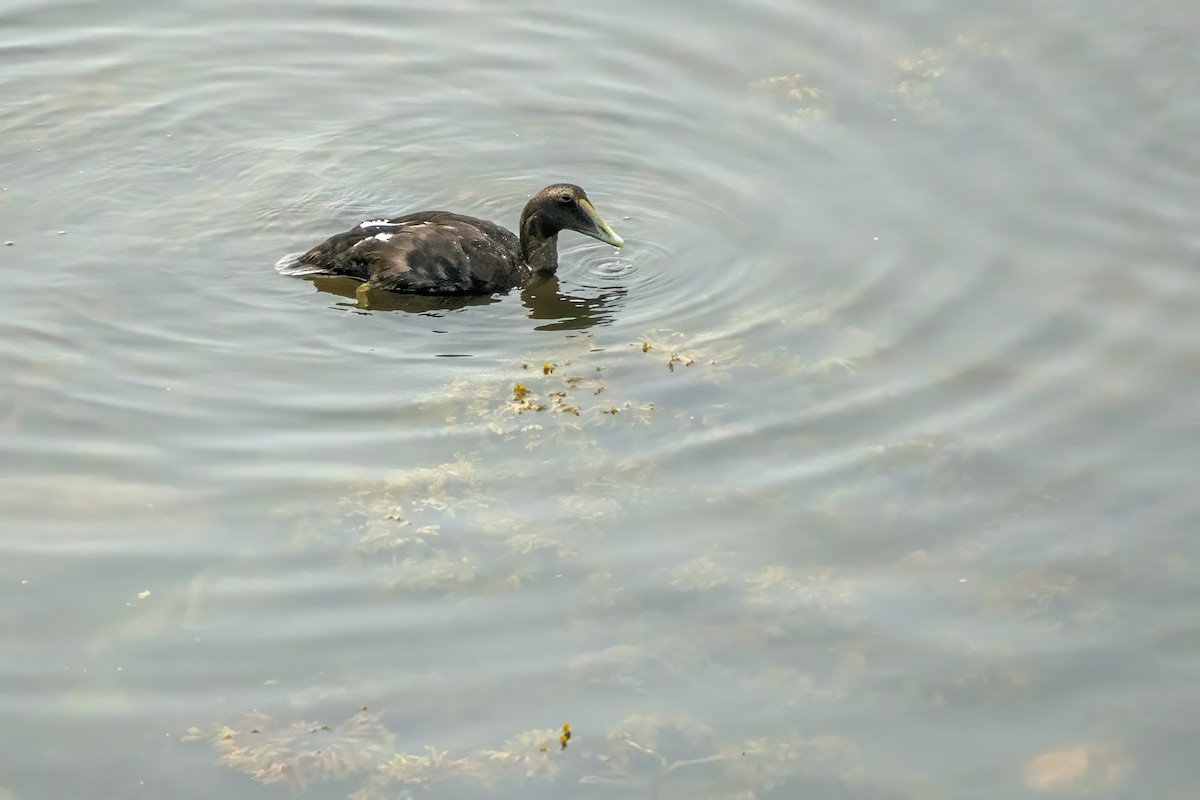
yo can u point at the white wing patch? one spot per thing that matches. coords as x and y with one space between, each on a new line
382 237
375 223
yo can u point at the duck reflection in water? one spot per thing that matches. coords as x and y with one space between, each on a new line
543 298
546 301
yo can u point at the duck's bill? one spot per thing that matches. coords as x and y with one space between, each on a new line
600 229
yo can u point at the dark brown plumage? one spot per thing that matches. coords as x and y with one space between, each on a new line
439 252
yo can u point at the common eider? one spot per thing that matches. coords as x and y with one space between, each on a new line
439 252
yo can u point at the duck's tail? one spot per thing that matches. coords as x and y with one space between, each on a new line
292 265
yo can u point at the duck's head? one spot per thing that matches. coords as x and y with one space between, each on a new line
565 207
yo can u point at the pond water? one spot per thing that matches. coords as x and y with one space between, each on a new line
864 470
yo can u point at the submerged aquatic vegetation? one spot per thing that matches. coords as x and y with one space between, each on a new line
675 755
530 755
436 529
456 526
405 526
299 753
789 589
643 747
1078 770
1035 592
429 767
803 102
681 757
699 575
920 81
450 526
536 406
438 572
718 352
401 516
918 86
405 507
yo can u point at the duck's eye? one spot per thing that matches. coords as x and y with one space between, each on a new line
565 198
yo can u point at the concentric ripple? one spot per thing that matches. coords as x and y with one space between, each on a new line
907 308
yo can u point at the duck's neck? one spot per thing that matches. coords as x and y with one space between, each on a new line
539 245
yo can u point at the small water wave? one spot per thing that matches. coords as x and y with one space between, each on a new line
602 268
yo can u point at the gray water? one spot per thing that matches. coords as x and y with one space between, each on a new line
865 469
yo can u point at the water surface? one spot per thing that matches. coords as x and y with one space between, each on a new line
863 471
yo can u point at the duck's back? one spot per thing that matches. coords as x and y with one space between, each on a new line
435 252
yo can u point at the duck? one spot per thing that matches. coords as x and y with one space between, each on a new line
441 252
